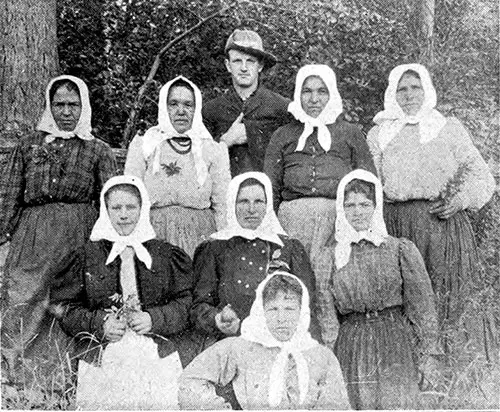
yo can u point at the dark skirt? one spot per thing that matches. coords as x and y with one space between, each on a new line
44 236
377 360
451 258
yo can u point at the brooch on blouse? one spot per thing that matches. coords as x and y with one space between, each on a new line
171 169
47 153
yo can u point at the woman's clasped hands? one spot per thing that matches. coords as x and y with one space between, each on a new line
115 326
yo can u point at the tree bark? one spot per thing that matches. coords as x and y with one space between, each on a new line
28 59
426 12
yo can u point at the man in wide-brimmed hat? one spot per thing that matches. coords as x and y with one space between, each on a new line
246 117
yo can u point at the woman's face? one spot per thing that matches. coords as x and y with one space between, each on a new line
180 108
314 96
251 206
282 315
358 210
66 107
410 94
124 209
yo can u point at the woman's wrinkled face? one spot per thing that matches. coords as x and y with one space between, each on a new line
314 96
282 315
251 206
358 210
410 94
124 210
180 108
66 107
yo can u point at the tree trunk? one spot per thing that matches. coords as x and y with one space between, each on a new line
427 8
28 59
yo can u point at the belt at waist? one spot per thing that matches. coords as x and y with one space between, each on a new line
390 313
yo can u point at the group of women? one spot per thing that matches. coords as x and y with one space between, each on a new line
247 276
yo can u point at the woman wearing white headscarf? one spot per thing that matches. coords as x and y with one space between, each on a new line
229 267
432 173
375 302
274 364
306 159
48 195
185 171
124 297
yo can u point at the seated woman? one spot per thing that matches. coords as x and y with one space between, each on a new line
123 297
306 159
274 364
432 174
185 171
229 267
376 287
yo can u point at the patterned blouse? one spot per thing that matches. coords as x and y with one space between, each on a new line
66 171
412 170
376 278
176 182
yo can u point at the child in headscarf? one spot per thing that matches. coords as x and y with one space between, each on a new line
48 195
274 364
375 302
432 174
185 171
124 297
306 159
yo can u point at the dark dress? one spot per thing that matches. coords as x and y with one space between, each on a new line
264 111
84 286
378 314
48 201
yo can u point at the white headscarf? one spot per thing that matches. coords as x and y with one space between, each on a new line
164 130
270 227
254 329
83 129
329 114
345 234
392 119
143 231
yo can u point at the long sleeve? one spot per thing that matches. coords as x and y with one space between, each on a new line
106 168
205 299
68 295
479 184
172 316
215 365
221 175
11 193
418 297
361 156
332 389
372 140
135 164
273 167
323 264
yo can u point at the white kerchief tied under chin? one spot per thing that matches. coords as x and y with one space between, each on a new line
164 130
270 227
393 119
143 231
345 234
83 129
330 112
254 329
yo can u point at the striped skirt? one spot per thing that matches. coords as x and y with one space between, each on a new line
377 360
184 227
311 220
450 254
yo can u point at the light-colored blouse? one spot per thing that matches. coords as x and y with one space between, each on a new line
176 182
248 366
412 170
